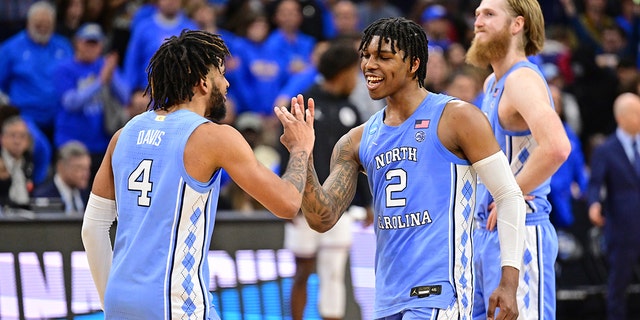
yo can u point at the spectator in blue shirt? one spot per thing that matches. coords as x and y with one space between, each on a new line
291 44
29 59
260 71
85 84
147 36
344 19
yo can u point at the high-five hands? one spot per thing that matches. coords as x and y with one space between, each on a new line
297 124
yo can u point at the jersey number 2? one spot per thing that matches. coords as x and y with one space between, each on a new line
139 181
396 187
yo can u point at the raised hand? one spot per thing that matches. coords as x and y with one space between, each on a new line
297 124
110 64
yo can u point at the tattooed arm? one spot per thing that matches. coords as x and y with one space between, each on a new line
323 205
281 196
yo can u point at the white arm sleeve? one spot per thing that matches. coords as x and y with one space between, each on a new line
98 218
495 173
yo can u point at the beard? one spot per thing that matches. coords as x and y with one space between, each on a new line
37 37
217 109
481 54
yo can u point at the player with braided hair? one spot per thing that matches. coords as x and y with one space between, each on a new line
172 72
161 178
410 37
422 154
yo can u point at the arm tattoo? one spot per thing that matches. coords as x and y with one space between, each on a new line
323 205
296 170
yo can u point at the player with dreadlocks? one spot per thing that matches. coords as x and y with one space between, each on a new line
421 153
161 178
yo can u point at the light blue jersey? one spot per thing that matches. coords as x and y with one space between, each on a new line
424 198
165 223
517 145
536 291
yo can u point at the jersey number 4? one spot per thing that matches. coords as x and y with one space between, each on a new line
139 181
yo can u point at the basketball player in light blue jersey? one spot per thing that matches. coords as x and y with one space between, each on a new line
161 179
519 106
421 154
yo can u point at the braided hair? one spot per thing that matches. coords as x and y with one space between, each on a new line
402 34
180 63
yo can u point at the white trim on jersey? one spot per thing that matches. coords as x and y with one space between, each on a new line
534 277
464 200
187 252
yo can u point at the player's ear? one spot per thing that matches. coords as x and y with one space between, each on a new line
517 24
202 86
414 65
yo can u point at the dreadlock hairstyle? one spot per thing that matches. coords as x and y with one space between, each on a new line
402 34
180 63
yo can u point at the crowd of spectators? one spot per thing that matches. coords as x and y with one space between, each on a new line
65 64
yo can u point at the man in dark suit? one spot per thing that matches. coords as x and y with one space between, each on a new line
615 166
71 178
